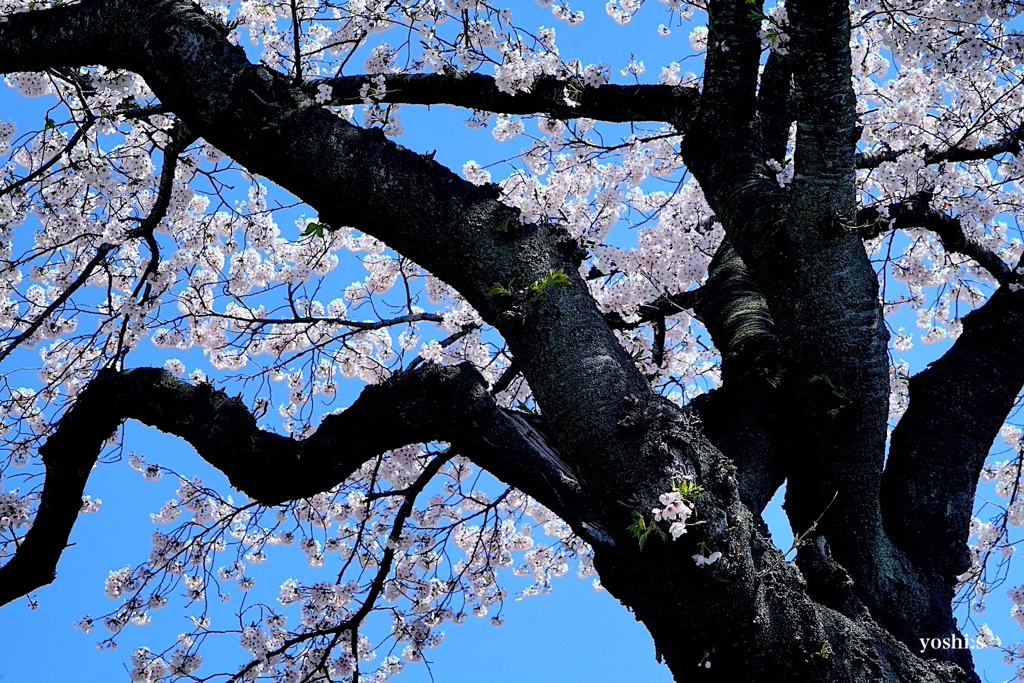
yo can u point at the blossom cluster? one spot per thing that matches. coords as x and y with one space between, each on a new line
676 507
356 532
676 511
246 294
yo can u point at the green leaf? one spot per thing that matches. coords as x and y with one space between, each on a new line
558 277
314 228
639 529
824 378
500 289
688 490
552 279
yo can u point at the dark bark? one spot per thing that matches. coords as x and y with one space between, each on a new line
775 106
917 212
804 256
791 303
938 448
751 609
741 417
724 151
794 248
828 314
617 103
429 404
68 465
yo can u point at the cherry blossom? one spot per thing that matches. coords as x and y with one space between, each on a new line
125 238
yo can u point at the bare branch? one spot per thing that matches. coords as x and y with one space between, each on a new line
83 277
180 139
562 98
433 403
506 379
1008 144
957 405
665 306
44 167
917 212
296 41
354 324
352 623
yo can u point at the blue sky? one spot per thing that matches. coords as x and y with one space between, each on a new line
573 634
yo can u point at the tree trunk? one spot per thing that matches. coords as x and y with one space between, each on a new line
791 302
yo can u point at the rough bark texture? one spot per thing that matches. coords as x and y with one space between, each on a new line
430 404
620 103
791 302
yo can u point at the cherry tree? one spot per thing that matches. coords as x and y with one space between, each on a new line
834 169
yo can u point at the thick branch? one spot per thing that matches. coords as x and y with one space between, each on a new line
830 320
741 417
665 306
917 212
775 111
558 98
731 63
727 156
69 455
624 444
430 404
729 160
939 446
753 613
957 406
814 274
825 306
737 317
578 371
